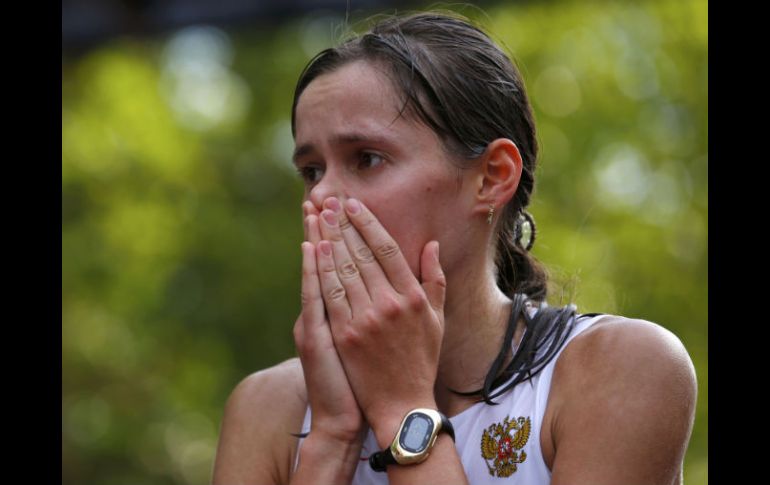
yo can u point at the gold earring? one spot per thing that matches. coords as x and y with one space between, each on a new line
490 214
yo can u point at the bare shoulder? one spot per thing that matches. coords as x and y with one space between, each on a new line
256 443
284 382
625 392
616 343
630 349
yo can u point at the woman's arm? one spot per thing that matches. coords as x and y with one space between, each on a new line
255 443
624 406
268 406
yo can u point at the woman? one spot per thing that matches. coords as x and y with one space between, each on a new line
424 317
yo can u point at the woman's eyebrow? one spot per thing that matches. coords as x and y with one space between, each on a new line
343 139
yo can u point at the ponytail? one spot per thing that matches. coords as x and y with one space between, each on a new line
524 279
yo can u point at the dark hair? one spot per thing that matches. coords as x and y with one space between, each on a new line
458 82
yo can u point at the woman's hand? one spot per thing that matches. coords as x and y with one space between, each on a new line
387 326
336 415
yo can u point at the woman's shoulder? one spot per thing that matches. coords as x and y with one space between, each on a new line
256 444
630 342
283 380
623 380
616 348
279 389
624 356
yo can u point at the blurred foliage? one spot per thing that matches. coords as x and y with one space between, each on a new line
181 220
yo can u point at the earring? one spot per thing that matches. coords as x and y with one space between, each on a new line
490 214
524 217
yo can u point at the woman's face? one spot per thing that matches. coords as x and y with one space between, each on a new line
351 142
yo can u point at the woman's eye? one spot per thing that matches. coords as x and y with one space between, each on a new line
310 174
369 160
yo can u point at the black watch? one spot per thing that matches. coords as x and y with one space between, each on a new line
414 440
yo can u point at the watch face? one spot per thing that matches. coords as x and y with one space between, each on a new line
417 431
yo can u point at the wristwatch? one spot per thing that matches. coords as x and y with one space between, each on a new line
414 440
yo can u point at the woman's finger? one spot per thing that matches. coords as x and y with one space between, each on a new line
308 208
384 247
334 294
312 300
432 276
347 270
313 229
371 272
310 217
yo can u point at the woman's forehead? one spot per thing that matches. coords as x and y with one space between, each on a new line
355 97
354 86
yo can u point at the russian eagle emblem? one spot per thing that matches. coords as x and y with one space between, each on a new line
501 450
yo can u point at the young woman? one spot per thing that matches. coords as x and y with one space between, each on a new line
427 350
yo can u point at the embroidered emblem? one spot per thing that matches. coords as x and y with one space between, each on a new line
499 446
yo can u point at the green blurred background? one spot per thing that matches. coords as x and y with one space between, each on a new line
181 217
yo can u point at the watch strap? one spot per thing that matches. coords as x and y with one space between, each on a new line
446 426
380 460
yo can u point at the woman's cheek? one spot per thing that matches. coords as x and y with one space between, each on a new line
402 229
408 238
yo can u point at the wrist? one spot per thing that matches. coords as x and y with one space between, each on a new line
338 431
331 437
415 439
327 459
385 423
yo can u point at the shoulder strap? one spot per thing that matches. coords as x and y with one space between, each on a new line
590 314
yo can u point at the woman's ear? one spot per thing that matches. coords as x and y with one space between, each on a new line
501 167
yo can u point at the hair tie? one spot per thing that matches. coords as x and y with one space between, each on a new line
524 217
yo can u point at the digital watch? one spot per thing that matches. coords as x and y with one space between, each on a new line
414 440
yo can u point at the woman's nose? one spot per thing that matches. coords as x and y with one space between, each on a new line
329 186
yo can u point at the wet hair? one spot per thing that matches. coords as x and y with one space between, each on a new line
457 81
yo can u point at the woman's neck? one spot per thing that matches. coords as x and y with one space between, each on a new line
475 319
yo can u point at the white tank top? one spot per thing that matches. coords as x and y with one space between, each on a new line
496 444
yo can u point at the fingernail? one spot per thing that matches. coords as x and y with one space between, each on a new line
352 206
326 247
329 217
333 204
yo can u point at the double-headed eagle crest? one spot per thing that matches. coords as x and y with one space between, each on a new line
499 446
